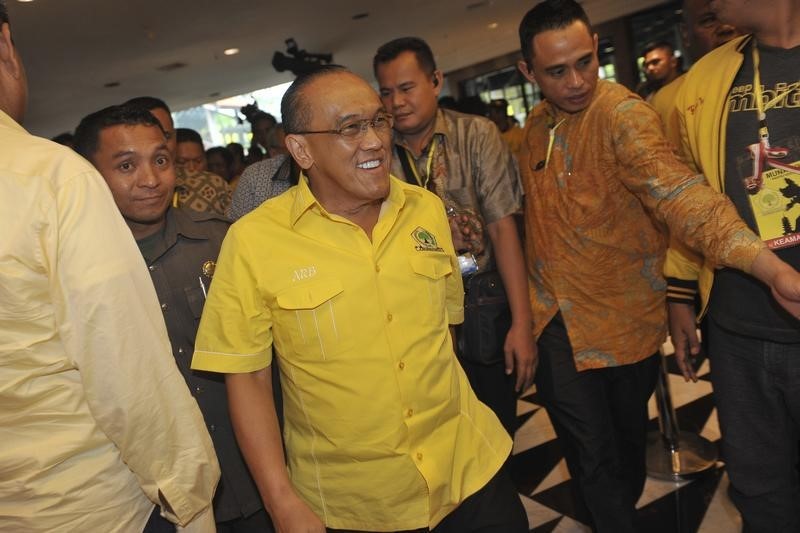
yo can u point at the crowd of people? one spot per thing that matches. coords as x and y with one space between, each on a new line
409 269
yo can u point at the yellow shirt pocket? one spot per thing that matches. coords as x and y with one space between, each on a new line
432 269
313 319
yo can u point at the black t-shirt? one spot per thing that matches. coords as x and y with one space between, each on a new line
738 301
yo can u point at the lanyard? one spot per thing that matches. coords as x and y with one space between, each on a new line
761 106
413 166
762 153
551 141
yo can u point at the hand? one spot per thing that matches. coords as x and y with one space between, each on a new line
785 288
293 515
521 355
467 234
683 330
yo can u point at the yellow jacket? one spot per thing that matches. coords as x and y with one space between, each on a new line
702 119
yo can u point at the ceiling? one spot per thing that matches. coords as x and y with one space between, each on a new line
73 48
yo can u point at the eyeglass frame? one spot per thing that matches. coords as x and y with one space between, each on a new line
363 125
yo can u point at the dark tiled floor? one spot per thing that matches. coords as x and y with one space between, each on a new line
699 505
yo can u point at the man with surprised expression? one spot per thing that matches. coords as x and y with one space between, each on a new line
128 146
137 166
601 184
352 276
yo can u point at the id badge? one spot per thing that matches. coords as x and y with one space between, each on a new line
467 263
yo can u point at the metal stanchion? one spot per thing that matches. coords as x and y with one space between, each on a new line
673 454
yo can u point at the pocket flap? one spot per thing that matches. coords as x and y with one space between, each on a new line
432 265
309 296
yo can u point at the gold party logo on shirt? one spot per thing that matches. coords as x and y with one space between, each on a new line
425 240
208 268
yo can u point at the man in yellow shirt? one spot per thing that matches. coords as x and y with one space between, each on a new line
352 276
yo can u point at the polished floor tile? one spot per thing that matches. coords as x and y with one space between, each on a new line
697 505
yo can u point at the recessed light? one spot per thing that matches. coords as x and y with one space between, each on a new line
24 1
230 51
493 26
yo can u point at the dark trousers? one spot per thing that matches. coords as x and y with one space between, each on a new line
257 522
496 508
495 389
757 391
600 418
157 523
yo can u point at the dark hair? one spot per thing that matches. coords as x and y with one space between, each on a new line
185 135
389 51
546 16
258 116
66 138
236 149
3 12
655 46
87 134
149 103
295 111
224 152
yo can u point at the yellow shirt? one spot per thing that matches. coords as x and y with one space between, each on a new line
95 418
382 430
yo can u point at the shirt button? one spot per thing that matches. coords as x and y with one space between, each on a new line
389 317
198 389
152 268
180 351
410 413
377 268
419 456
401 365
212 428
164 306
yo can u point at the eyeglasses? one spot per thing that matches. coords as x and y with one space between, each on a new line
357 129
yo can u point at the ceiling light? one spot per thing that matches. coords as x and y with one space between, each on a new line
24 0
493 26
230 51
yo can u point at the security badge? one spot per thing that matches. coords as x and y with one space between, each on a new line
207 269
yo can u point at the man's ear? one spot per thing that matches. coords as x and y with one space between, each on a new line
438 79
9 60
299 150
527 74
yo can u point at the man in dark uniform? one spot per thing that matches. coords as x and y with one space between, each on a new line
129 148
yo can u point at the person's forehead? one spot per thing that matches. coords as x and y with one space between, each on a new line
405 65
190 146
343 96
572 38
126 136
657 53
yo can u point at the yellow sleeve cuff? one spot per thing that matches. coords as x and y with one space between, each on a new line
229 363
